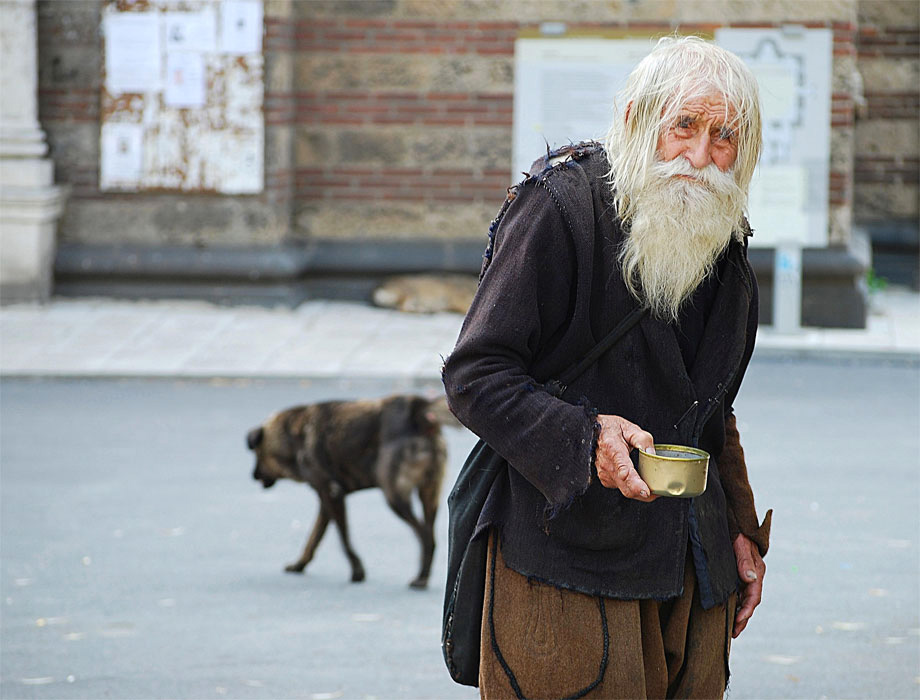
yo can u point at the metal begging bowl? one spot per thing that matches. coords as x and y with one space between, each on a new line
675 470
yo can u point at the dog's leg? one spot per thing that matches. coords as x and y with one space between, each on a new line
336 505
403 508
319 529
429 493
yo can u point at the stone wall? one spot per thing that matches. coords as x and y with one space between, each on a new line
404 113
887 162
388 131
391 119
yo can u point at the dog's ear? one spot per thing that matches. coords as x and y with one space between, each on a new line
254 438
441 413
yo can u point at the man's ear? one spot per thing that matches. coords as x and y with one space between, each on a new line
628 110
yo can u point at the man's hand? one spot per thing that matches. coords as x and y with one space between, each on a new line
614 468
751 569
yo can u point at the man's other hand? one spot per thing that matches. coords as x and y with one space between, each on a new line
614 467
751 570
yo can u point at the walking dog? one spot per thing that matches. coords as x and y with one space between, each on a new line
339 447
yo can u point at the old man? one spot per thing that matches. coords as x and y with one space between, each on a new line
601 588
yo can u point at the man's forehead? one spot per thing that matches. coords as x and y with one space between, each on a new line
708 107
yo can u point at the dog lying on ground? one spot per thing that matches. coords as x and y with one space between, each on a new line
338 447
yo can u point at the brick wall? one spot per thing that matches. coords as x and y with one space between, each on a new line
403 123
70 68
279 109
404 109
393 118
887 153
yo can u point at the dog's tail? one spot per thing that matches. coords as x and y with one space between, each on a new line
438 412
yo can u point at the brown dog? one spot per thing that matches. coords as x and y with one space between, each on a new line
338 447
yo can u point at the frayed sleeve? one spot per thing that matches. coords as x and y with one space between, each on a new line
524 298
742 515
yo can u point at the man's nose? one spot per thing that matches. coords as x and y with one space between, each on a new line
699 151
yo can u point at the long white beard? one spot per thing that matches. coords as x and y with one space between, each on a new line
679 229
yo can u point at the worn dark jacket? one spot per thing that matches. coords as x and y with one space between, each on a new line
550 289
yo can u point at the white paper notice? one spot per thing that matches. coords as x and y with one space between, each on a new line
778 91
191 31
564 91
790 191
132 52
241 163
241 26
776 204
185 82
122 155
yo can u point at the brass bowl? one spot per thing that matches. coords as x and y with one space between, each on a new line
675 470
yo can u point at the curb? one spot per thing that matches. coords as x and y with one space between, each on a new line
767 354
834 355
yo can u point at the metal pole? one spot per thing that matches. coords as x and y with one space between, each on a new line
787 288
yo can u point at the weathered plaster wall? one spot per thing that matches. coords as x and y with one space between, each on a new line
70 75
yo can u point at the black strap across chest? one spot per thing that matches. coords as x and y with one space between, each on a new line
557 387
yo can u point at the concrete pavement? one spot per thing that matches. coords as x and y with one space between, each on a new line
112 338
140 560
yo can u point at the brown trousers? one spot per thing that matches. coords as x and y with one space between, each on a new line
554 644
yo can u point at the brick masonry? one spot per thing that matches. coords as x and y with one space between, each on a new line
887 160
414 61
393 118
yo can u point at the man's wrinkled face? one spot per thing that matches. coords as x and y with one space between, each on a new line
686 210
702 134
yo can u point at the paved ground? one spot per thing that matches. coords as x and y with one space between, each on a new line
139 560
99 337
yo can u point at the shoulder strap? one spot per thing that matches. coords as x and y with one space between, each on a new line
557 387
538 172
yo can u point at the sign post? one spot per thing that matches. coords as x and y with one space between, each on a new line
787 288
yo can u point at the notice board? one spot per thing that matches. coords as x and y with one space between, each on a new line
791 186
564 90
182 94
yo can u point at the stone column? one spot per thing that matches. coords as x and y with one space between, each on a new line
30 203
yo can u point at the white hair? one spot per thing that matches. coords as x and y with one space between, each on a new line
677 70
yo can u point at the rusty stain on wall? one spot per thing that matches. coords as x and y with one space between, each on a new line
215 146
